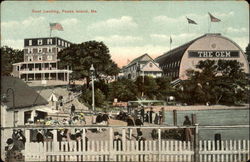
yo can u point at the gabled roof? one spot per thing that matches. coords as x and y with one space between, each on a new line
155 64
24 95
138 59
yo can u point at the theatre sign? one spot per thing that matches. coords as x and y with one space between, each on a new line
213 54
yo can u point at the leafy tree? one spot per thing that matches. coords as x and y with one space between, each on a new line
221 81
9 56
164 88
86 97
147 85
80 57
248 52
123 90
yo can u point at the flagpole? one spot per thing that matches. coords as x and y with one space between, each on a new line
50 32
170 41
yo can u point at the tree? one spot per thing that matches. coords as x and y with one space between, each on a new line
123 90
164 88
9 56
86 97
221 81
248 52
147 85
80 57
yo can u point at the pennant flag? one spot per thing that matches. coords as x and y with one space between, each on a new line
56 26
191 21
171 39
213 19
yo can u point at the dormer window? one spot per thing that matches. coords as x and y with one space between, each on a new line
39 41
30 42
49 41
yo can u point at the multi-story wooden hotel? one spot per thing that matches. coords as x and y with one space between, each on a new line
40 60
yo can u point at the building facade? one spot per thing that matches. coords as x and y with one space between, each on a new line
40 60
211 46
142 66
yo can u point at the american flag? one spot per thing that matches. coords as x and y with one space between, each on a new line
213 19
56 26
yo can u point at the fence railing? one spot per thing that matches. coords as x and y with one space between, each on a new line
109 149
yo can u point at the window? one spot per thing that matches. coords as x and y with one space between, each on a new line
40 42
17 68
40 50
30 58
49 57
150 64
40 58
49 49
30 42
66 44
49 41
62 43
30 50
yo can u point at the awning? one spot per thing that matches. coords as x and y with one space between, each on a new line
47 110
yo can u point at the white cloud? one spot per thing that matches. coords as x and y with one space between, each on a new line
30 21
118 39
222 15
236 30
122 23
16 44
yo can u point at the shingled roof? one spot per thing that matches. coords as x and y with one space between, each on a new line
25 96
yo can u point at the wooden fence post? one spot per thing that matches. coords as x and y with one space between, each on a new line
175 117
110 144
124 138
194 119
196 144
159 144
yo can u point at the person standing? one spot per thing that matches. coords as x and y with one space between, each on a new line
162 116
187 131
138 122
105 118
73 109
142 111
130 122
151 115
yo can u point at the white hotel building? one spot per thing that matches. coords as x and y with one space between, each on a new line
40 60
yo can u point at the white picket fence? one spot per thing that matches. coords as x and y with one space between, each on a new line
231 151
131 150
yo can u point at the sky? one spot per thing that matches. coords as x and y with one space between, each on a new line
128 28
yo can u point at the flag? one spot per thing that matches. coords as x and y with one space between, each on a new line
56 26
171 39
191 21
213 19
